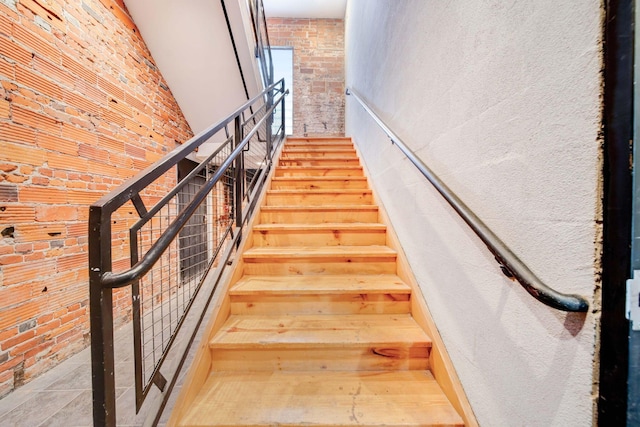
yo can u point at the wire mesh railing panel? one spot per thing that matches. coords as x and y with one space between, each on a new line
164 293
191 207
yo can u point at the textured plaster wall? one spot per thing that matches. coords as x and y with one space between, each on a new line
502 100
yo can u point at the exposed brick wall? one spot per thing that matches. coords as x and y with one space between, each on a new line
82 108
318 72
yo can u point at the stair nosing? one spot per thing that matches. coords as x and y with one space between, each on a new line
288 338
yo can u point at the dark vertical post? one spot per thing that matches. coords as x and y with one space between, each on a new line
137 321
101 318
618 135
283 123
269 123
239 166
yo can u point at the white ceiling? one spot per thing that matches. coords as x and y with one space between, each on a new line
305 8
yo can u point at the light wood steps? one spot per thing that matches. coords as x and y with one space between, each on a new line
326 234
320 342
285 398
319 214
319 152
326 294
319 197
327 170
319 183
301 260
319 328
319 161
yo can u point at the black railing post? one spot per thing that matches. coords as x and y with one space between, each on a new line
101 317
269 124
283 123
239 166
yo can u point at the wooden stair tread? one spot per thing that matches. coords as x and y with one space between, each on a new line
320 331
284 168
318 178
318 138
311 149
355 226
285 252
322 191
317 208
403 398
332 158
318 285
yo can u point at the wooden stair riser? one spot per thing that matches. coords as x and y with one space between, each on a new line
313 237
339 303
375 399
342 153
319 266
320 330
319 215
328 359
318 198
317 171
320 183
319 146
323 162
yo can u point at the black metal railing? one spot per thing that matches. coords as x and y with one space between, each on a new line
509 263
263 51
191 207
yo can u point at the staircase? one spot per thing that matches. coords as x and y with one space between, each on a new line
317 326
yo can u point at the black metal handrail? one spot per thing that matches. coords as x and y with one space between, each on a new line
168 268
117 280
510 264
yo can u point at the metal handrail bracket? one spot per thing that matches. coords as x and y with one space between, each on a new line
510 264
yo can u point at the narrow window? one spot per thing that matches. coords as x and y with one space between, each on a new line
283 67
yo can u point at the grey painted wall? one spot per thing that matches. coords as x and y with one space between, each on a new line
502 100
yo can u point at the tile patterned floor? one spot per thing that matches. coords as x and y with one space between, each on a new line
62 396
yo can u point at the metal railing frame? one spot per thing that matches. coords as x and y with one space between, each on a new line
509 263
102 280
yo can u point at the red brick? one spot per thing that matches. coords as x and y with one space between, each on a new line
79 70
40 195
7 69
108 86
56 143
12 51
11 259
80 102
26 346
17 213
28 155
63 136
35 351
67 162
56 213
36 120
11 363
20 313
79 135
11 132
35 43
14 295
48 10
20 338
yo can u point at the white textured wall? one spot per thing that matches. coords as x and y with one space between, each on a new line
502 100
190 42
